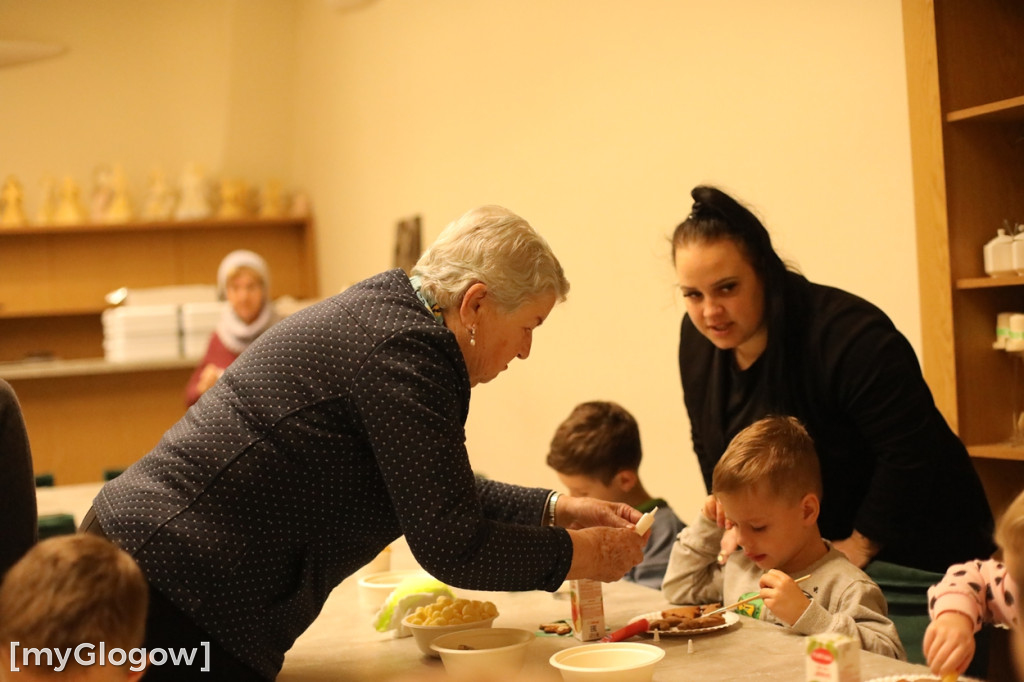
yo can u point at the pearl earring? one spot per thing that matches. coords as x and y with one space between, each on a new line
472 336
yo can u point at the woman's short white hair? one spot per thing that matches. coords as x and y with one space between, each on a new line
492 245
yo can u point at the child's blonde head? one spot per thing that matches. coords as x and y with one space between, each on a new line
71 590
776 455
1010 537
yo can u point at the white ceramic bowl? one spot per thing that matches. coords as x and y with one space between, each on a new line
607 662
374 588
492 653
426 634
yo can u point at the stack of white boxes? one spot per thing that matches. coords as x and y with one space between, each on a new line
142 332
198 320
151 324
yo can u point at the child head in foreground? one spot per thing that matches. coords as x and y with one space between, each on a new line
1010 538
596 453
768 483
68 591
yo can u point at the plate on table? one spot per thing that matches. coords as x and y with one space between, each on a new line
731 618
918 678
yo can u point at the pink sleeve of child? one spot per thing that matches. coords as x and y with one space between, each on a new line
981 590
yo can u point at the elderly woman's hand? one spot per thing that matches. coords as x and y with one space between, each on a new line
586 512
605 554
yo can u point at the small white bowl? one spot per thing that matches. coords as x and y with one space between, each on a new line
607 662
374 588
483 652
426 634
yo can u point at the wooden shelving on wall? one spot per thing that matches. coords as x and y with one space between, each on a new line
84 414
965 76
965 85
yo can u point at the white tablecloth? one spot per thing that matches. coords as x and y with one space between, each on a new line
342 644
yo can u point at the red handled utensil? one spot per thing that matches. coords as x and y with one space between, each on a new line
636 626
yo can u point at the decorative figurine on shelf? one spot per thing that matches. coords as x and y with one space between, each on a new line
300 205
48 201
195 203
232 199
102 193
407 243
13 215
159 204
272 201
70 210
120 209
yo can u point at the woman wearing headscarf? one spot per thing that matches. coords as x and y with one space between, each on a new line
340 429
244 281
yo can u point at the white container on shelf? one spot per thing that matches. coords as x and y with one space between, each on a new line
1016 340
1017 251
998 253
1002 331
140 348
201 316
198 320
141 332
140 320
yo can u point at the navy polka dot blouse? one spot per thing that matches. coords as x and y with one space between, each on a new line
338 430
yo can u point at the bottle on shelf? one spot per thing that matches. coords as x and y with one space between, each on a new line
1017 249
998 255
1002 331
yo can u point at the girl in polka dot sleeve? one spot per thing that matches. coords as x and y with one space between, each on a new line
974 593
340 429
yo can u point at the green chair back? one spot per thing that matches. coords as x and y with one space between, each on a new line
51 525
906 591
111 474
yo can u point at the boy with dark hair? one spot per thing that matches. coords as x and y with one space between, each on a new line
596 453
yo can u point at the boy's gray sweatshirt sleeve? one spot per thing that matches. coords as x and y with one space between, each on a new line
693 575
858 610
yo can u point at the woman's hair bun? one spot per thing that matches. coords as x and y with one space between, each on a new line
704 202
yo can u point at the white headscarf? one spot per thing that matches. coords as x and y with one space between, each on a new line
234 333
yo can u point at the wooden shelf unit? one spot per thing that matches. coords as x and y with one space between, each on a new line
85 414
965 79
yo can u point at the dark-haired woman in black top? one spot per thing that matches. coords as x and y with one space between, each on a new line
759 339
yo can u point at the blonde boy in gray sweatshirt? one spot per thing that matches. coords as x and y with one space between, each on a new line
767 487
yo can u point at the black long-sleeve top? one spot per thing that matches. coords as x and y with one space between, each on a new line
17 486
338 430
891 467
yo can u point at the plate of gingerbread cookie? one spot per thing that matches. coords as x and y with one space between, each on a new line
680 627
922 678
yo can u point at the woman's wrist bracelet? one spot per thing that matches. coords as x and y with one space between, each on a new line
549 517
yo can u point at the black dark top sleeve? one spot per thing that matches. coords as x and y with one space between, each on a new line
18 496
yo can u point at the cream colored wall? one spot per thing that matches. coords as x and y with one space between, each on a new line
593 119
148 84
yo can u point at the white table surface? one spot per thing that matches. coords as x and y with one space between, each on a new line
67 499
341 645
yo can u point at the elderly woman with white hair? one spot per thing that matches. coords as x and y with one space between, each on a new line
337 431
243 280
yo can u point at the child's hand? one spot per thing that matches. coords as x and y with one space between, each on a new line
208 377
713 512
949 643
783 596
710 509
